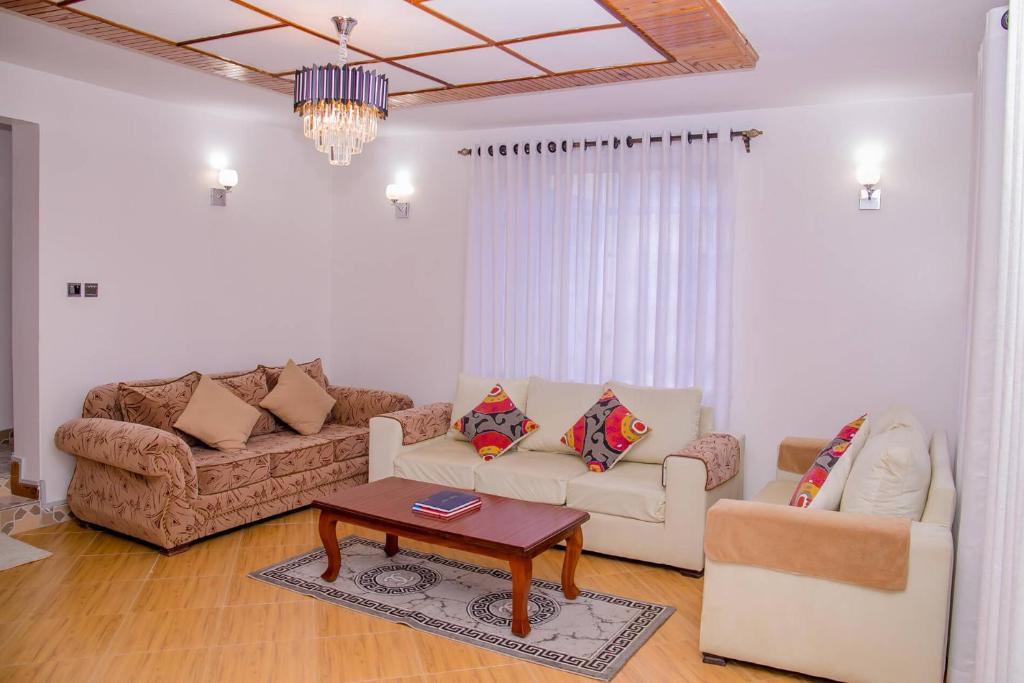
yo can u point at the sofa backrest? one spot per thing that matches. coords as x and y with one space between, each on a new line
941 505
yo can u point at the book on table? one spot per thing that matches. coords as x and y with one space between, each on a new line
447 504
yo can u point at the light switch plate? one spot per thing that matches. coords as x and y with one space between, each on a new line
74 289
218 197
92 290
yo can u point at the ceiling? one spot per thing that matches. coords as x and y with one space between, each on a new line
431 50
811 52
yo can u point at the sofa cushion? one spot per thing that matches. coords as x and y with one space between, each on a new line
890 476
290 453
349 442
472 389
822 485
632 489
314 368
605 433
555 406
158 403
251 387
299 400
494 425
218 471
529 475
778 492
673 416
442 461
217 417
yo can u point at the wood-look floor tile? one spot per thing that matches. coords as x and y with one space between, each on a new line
72 526
187 592
88 599
281 534
442 654
249 559
38 575
286 621
333 620
111 544
367 657
61 544
17 604
243 590
55 671
167 630
215 557
42 640
306 516
512 673
171 666
286 662
96 568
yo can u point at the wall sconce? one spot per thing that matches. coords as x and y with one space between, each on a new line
398 194
228 178
870 196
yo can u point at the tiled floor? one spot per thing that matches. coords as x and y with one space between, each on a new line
103 608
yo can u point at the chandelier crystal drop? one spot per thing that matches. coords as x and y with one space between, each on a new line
340 105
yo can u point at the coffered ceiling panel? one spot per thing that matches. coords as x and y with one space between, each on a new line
431 50
574 51
386 27
504 20
472 66
276 50
177 20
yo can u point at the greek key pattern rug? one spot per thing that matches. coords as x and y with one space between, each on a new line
593 635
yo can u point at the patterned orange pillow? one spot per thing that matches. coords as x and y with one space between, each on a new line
605 432
495 425
814 479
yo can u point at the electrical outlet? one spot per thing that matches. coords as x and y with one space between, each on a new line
92 290
74 289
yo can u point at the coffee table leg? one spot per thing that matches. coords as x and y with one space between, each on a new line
329 537
522 574
573 548
390 544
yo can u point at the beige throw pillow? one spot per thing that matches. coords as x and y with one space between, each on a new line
217 417
299 400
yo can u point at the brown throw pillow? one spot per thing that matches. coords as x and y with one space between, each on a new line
299 400
251 387
157 404
314 368
217 417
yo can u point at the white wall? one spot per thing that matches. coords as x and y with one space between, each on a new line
837 311
6 218
124 201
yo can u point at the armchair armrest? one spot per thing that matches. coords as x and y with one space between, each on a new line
354 406
860 549
796 453
144 450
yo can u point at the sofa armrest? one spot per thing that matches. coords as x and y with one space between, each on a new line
394 433
720 453
354 406
865 550
144 450
423 422
797 453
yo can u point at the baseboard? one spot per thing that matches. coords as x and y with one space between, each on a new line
19 487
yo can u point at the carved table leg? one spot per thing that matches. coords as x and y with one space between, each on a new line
573 548
329 537
522 574
390 544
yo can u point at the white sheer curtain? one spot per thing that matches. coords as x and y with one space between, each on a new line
988 607
609 261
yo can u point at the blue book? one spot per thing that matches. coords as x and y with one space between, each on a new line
447 501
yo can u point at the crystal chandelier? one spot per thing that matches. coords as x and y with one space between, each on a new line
340 105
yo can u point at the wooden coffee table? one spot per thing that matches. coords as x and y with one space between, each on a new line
505 528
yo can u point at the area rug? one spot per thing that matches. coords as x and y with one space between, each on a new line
593 635
13 552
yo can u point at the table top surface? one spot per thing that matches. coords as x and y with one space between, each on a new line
503 524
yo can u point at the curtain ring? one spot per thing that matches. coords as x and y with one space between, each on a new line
490 150
565 146
552 147
526 147
515 148
503 150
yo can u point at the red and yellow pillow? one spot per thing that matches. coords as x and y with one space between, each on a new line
495 425
605 432
835 461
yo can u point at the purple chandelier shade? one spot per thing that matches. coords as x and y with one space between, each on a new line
341 85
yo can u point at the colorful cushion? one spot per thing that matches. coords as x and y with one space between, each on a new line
495 425
605 433
834 460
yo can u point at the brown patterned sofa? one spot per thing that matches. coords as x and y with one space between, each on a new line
149 483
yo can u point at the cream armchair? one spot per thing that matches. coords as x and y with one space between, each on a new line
844 596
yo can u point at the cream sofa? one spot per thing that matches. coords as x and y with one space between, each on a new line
649 511
822 626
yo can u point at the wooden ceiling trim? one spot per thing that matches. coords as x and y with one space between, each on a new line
697 35
232 34
614 11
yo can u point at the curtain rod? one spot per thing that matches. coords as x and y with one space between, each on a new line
745 135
